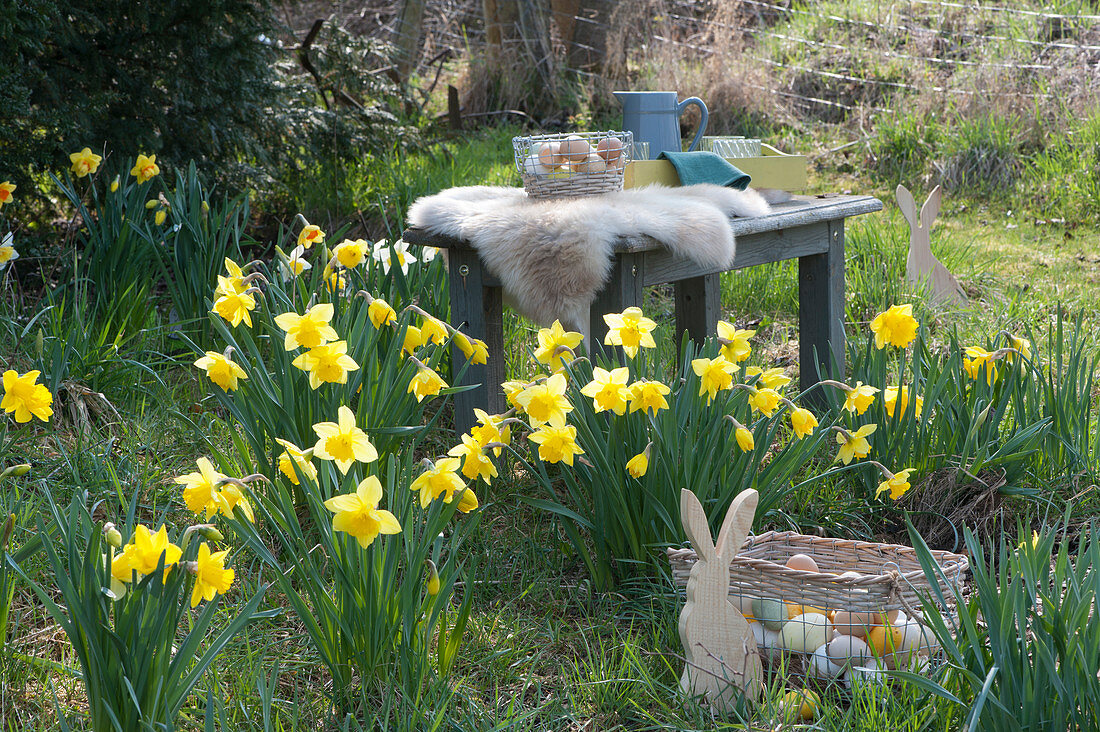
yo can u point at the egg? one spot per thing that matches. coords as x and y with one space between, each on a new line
804 633
892 617
574 149
799 705
532 166
822 665
848 650
884 640
769 611
917 638
794 609
610 149
767 641
803 562
549 156
855 623
743 605
591 164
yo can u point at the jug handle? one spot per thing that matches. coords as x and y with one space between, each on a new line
702 122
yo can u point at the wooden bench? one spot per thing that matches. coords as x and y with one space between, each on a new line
807 228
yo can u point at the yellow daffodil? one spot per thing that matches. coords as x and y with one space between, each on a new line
476 351
389 256
425 383
221 370
6 190
490 428
896 326
336 282
442 479
855 444
898 397
897 485
27 398
1021 344
413 340
7 251
608 390
978 359
234 283
144 552
84 162
1034 541
308 330
715 375
775 378
358 514
309 235
211 576
475 463
557 443
145 168
648 396
200 490
744 439
295 263
860 397
343 442
235 307
512 390
764 401
121 572
553 342
803 422
380 313
160 216
350 253
629 329
327 364
434 331
736 347
292 456
230 498
639 464
545 402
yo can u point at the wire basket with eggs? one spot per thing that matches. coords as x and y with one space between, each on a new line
572 164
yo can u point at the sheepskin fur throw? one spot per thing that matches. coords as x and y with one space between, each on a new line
553 256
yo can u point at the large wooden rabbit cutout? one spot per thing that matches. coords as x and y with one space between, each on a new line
722 660
922 266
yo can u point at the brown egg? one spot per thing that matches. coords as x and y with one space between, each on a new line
803 562
610 149
591 164
574 149
549 155
892 616
857 624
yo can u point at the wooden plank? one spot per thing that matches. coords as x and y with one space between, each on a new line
698 307
471 306
662 265
623 290
821 310
785 172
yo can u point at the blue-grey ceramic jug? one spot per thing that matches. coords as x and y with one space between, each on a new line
654 117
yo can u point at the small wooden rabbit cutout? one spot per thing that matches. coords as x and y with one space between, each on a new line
722 660
922 266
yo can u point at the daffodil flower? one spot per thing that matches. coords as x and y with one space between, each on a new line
211 576
629 329
735 342
433 330
648 396
326 364
557 443
803 422
978 359
854 444
491 428
896 326
84 162
310 235
24 396
897 397
475 463
638 465
545 402
381 313
860 397
8 254
295 264
145 550
309 330
222 370
442 479
897 484
715 375
145 168
358 514
475 350
555 343
425 383
351 253
764 400
343 442
235 308
292 456
6 190
200 490
608 390
397 254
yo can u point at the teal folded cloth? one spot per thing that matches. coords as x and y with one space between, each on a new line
705 167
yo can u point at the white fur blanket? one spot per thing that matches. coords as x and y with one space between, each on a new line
554 256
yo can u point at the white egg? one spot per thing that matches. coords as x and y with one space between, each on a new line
822 666
592 164
766 640
805 632
849 650
918 638
532 166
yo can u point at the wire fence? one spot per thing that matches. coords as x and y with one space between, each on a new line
827 55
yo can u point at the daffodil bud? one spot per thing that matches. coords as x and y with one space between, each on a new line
39 343
151 204
433 578
210 533
160 217
112 535
205 207
114 184
16 471
9 526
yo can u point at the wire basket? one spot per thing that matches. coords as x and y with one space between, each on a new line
866 590
573 164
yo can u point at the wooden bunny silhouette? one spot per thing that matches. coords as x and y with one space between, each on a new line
922 266
719 647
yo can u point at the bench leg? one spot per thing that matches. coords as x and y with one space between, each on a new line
477 311
698 307
821 309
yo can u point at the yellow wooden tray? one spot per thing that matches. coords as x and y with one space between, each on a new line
773 169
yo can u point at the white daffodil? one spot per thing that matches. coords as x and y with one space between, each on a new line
397 254
7 251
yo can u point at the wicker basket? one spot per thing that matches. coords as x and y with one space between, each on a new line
558 176
890 578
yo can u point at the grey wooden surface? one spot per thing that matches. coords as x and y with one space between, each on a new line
807 228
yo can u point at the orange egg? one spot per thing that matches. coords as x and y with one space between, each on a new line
794 609
885 640
610 149
803 562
